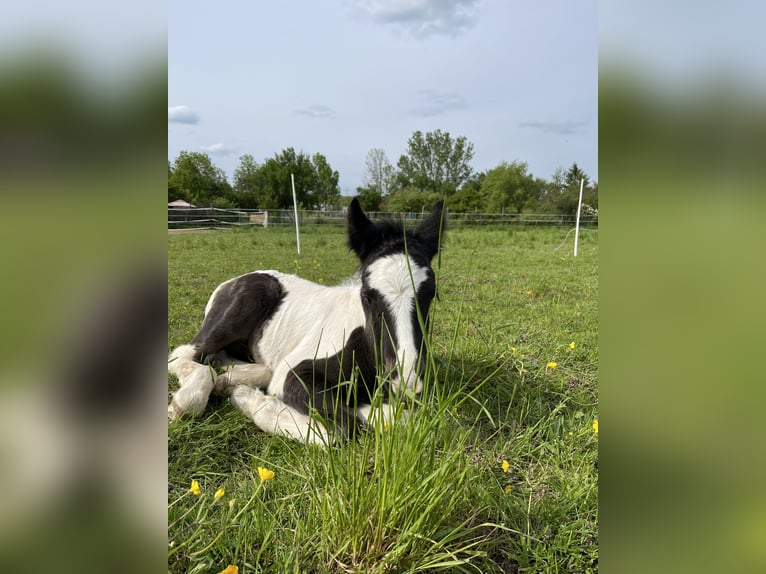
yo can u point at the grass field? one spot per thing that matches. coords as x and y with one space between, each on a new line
497 471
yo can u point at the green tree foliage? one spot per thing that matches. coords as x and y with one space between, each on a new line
249 189
573 176
194 178
278 181
411 199
435 162
268 185
173 192
509 187
369 198
471 197
326 191
562 192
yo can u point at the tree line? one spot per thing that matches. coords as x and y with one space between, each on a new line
435 166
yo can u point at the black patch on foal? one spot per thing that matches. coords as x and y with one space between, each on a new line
239 313
325 384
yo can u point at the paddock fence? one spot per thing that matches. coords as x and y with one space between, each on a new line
214 218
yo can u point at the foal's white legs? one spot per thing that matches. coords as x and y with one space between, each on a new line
273 416
195 381
241 373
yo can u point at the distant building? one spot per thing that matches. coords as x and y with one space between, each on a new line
180 203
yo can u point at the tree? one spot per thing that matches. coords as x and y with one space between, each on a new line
326 191
299 165
563 191
379 173
249 188
411 200
509 187
471 197
268 185
435 162
273 179
199 181
369 198
574 174
173 192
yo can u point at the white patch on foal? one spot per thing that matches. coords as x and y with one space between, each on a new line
397 278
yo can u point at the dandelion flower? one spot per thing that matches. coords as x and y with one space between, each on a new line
595 426
195 489
551 365
572 345
219 494
505 465
265 474
230 569
508 488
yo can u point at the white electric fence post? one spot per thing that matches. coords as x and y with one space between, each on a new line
577 224
295 209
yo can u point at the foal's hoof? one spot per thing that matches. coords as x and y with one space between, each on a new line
174 413
223 385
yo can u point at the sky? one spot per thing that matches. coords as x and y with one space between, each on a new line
340 77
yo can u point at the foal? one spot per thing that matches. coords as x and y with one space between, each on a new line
289 345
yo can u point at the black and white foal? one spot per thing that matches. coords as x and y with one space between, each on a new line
309 346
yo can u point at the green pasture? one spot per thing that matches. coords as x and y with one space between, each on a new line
497 470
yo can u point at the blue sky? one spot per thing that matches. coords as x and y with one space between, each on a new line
518 79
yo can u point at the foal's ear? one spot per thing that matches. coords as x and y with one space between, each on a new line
431 230
357 227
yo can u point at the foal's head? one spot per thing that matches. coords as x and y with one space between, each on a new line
397 288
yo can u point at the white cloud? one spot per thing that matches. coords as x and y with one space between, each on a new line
422 17
316 111
219 149
434 103
565 127
182 115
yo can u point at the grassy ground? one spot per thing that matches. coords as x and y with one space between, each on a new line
497 472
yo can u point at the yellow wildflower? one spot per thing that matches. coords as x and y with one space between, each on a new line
505 465
219 494
508 488
572 345
230 569
551 365
513 350
595 426
195 489
265 474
